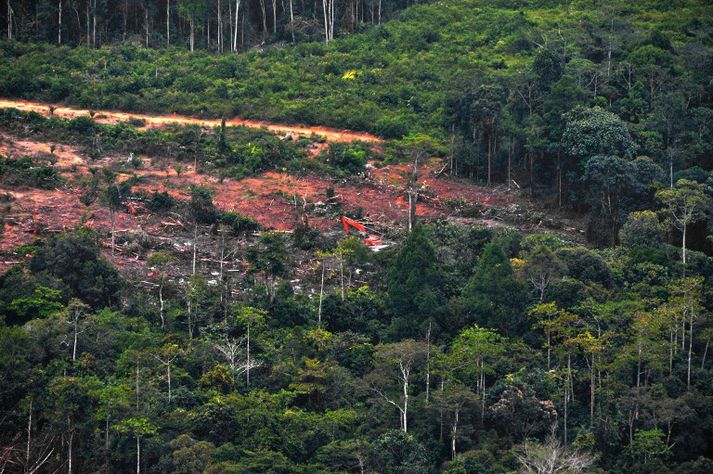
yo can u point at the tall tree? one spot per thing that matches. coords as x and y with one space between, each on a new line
685 204
395 365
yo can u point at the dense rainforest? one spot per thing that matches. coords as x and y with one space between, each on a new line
227 345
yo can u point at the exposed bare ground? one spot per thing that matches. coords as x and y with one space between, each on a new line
271 198
107 116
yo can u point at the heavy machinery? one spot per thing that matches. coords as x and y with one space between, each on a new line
372 241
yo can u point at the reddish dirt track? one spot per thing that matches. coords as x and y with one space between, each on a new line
107 116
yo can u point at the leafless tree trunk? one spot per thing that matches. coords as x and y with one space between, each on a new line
126 19
428 362
454 433
235 33
292 23
263 10
191 39
167 361
161 302
168 23
94 24
321 297
138 454
9 20
69 447
59 22
220 28
195 249
29 433
146 24
137 383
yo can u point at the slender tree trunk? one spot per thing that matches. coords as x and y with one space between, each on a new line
146 24
89 35
405 410
274 16
168 23
220 28
247 371
195 241
138 455
191 38
326 22
126 19
672 344
454 433
9 20
690 348
168 376
428 362
592 391
29 434
683 243
76 331
161 303
112 218
235 34
482 392
321 295
59 21
263 10
705 353
292 23
566 398
94 24
137 384
69 448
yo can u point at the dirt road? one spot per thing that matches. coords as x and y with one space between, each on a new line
107 116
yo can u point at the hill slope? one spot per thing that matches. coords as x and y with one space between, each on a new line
390 80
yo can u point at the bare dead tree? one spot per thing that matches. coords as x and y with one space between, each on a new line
552 457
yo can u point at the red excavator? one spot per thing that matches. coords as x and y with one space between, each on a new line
371 240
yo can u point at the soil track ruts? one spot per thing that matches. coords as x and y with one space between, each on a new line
109 116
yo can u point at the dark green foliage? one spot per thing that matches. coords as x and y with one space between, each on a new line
75 261
414 288
201 207
25 171
160 202
347 158
238 224
493 297
545 93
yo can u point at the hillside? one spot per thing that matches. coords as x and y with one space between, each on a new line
388 81
356 237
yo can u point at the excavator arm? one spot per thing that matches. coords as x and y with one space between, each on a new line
369 240
347 222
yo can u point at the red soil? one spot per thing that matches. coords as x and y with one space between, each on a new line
107 116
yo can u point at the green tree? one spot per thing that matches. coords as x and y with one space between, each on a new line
493 297
394 368
251 319
414 286
595 131
270 258
685 204
642 229
542 267
139 428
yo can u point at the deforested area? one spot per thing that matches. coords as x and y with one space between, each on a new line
356 236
